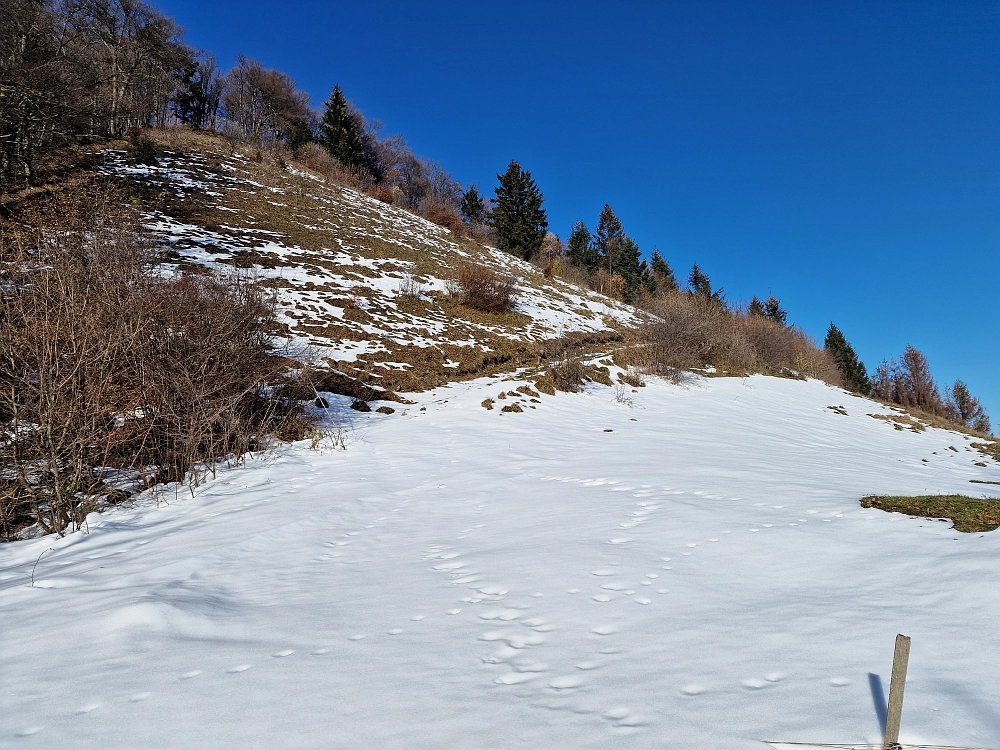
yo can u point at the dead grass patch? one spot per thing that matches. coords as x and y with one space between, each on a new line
901 422
969 514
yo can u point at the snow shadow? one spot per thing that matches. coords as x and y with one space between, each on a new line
878 698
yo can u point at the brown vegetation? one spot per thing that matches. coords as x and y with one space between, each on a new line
908 382
483 288
691 331
968 513
113 378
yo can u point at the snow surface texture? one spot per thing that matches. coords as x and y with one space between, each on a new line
701 576
330 250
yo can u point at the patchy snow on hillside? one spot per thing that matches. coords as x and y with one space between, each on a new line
328 250
690 571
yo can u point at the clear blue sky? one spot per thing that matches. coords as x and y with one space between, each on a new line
844 156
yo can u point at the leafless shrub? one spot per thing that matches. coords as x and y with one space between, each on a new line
691 331
569 376
109 372
631 377
622 397
141 148
444 215
384 193
409 287
483 288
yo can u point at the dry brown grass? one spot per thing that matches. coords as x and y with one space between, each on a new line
969 514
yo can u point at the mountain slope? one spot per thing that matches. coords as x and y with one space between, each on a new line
362 285
693 571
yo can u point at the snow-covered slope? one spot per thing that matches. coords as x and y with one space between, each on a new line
690 571
356 279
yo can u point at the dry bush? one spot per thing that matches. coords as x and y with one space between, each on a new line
112 377
142 149
483 288
683 335
692 331
444 215
569 376
381 192
576 275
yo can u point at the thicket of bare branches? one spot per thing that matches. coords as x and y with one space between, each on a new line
262 103
483 288
908 381
75 70
690 331
113 378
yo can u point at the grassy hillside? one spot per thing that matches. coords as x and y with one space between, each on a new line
364 286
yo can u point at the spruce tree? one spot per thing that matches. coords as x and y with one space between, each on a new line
473 207
582 252
519 221
772 310
342 130
608 238
851 368
662 273
755 308
301 135
626 265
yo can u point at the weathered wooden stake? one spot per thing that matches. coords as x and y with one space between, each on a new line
896 685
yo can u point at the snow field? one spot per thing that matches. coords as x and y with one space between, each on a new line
700 576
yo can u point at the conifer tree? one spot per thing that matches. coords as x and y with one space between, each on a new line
626 265
772 310
519 221
755 308
608 238
301 134
342 130
966 409
851 368
700 285
582 252
473 207
617 252
662 274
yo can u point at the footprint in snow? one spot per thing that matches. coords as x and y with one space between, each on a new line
282 654
239 668
566 683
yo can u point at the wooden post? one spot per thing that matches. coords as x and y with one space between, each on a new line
896 685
